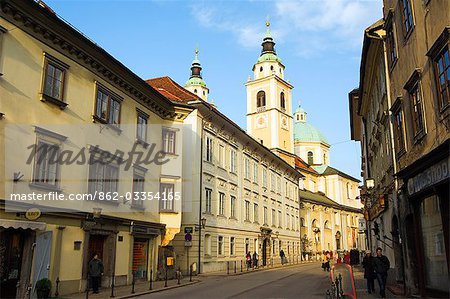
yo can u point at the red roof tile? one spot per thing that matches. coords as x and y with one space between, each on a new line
299 163
172 90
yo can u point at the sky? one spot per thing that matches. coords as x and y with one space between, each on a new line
318 41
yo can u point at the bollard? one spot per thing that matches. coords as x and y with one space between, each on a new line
234 266
87 287
179 275
132 283
241 265
112 284
165 279
190 273
228 268
271 261
151 280
57 287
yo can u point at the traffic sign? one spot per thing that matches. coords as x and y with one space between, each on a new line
188 237
188 230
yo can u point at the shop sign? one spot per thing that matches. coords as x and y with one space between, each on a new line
362 224
144 230
170 261
378 207
429 177
33 214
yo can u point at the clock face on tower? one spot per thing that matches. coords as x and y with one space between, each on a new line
284 123
261 121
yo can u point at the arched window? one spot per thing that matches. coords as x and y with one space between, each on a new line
282 101
195 90
271 67
348 190
302 222
297 117
314 223
310 158
326 224
261 69
260 99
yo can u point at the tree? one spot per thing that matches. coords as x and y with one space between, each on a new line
306 243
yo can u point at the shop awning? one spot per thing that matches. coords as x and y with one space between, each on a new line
22 224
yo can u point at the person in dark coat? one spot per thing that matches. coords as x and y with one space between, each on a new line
381 266
255 260
95 273
282 256
248 258
367 264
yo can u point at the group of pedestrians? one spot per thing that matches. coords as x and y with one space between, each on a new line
376 267
252 260
326 258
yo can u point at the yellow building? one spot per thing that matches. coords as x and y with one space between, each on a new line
67 108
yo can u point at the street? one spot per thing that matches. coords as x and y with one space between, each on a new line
302 281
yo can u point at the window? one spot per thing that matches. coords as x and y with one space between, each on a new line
138 187
274 217
392 45
264 177
287 220
46 166
141 132
169 141
247 168
327 224
255 213
286 190
221 155
272 182
209 149
221 203
107 106
207 244
260 99
247 210
292 222
348 191
220 245
310 158
265 216
231 246
261 69
282 101
442 66
407 18
54 76
233 207
166 200
233 161
278 185
398 129
103 175
255 172
302 222
296 223
280 219
415 96
208 200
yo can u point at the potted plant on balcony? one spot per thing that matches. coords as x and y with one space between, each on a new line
43 287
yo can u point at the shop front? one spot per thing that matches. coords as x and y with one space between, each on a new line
142 250
426 188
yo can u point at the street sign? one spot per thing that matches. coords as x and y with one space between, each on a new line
188 237
187 244
188 230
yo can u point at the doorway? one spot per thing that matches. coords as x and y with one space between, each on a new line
96 246
264 252
11 253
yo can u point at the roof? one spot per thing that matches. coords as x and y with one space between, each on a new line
328 170
172 90
299 163
304 131
268 57
321 199
195 81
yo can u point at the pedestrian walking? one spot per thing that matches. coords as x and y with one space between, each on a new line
324 260
327 261
95 272
347 257
381 266
282 256
255 260
248 259
369 274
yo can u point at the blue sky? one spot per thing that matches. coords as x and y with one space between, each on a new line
319 42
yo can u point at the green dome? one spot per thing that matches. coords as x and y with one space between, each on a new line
268 57
195 81
299 110
308 133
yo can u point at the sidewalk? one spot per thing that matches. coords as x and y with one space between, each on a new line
140 288
361 286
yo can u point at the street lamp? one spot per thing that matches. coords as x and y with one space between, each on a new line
96 212
203 222
370 183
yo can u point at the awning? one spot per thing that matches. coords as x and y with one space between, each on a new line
22 224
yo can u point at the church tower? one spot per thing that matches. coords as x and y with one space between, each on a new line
269 104
196 84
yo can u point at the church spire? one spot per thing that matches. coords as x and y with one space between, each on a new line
196 84
268 45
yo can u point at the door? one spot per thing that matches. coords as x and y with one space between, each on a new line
11 253
264 252
42 260
96 243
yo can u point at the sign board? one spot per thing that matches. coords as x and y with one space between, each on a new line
188 237
429 177
188 230
362 224
170 261
144 230
33 214
187 244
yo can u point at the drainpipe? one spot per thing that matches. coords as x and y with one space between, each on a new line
201 200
